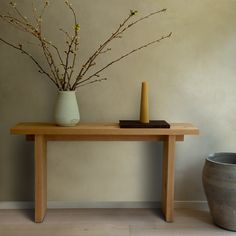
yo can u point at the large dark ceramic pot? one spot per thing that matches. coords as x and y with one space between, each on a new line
219 181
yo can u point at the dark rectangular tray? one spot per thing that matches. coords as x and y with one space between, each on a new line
138 124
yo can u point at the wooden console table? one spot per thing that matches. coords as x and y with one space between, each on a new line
43 132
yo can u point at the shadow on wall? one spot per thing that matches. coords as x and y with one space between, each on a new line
20 161
153 165
25 167
191 158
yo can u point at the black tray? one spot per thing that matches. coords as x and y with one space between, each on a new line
138 124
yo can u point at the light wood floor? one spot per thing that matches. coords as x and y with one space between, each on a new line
108 222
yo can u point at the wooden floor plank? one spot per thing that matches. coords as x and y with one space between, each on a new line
108 222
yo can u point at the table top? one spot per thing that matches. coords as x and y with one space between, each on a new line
101 129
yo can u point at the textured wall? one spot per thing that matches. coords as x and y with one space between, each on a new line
191 79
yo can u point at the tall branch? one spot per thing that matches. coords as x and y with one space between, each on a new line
74 43
66 33
117 34
89 62
57 51
42 70
143 18
20 25
63 77
27 27
18 11
122 57
48 55
92 82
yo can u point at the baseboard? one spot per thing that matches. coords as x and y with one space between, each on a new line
16 205
61 205
191 204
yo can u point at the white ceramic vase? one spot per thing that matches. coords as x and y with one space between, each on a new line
66 109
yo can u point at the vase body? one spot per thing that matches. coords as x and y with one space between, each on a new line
219 181
66 109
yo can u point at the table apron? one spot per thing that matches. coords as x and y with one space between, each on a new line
106 137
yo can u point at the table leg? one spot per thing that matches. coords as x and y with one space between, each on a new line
168 177
40 145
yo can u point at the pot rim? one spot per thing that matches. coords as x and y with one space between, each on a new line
211 157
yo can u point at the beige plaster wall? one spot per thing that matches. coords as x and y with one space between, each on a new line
191 79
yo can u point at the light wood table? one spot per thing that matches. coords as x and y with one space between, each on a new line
43 132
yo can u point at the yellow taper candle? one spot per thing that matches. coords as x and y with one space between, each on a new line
144 111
